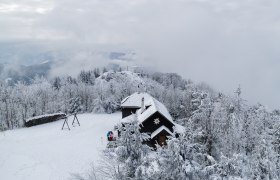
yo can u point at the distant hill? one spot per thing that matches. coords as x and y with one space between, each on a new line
34 52
22 61
12 73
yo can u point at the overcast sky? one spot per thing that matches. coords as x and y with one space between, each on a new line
222 42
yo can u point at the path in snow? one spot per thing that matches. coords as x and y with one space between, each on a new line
45 152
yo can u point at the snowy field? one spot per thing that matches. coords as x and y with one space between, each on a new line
45 152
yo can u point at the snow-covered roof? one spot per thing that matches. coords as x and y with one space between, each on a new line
151 106
45 115
128 119
156 106
135 100
160 129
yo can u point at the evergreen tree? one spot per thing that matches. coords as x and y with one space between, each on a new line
57 83
131 150
75 105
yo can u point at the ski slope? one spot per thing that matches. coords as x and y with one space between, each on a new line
45 152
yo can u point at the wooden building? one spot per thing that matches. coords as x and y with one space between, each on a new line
154 118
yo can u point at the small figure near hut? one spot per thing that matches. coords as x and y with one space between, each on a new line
110 136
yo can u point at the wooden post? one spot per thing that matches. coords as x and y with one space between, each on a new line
75 118
65 122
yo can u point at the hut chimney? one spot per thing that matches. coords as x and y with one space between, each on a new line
143 105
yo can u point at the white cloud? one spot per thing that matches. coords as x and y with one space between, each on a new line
222 42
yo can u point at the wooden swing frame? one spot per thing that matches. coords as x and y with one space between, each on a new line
73 122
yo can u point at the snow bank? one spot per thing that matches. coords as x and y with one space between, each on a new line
45 115
44 119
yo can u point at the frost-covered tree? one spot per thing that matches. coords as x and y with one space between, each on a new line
229 168
185 157
131 151
75 105
263 162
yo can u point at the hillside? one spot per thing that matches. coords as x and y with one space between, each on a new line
45 152
231 138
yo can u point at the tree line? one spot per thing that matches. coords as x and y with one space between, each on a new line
99 91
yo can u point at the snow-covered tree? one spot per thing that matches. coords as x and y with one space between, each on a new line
75 105
131 151
185 157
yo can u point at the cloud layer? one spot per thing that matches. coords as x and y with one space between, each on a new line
221 42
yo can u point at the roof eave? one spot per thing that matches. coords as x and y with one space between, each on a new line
164 128
171 121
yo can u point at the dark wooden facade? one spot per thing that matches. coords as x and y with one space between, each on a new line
160 138
148 126
128 111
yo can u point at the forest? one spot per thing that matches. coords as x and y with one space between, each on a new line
225 137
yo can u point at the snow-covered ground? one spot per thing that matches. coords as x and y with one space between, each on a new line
45 152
